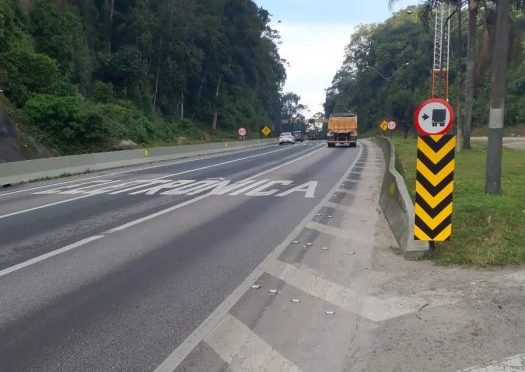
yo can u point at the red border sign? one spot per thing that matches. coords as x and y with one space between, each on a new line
448 125
392 125
242 132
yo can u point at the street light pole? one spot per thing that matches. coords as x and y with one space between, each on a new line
393 74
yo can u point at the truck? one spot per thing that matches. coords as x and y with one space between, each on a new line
342 129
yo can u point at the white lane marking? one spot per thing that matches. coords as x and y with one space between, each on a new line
308 188
369 307
44 206
50 254
134 170
185 348
243 350
132 223
154 215
78 186
154 179
512 364
263 190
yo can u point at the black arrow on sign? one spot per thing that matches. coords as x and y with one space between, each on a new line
425 116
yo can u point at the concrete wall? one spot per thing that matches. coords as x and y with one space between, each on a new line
398 206
28 170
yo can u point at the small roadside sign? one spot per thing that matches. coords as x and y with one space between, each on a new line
242 132
392 125
384 125
433 117
266 131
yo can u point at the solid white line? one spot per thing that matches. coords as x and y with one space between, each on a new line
44 206
129 224
50 254
185 348
153 179
197 158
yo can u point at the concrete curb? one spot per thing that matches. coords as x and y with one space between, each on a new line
397 205
31 170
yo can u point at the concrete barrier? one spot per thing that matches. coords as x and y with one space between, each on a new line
30 170
398 206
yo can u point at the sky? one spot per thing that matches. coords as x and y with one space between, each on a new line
314 34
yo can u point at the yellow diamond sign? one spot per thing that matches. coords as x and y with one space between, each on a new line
266 131
384 125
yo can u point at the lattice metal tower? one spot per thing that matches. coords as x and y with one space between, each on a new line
441 52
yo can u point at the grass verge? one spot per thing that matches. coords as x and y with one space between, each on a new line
487 229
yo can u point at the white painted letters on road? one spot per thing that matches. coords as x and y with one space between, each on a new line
259 191
169 185
212 186
308 188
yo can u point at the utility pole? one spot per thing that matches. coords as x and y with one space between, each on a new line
497 98
473 6
459 108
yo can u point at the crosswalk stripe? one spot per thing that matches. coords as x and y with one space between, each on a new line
243 350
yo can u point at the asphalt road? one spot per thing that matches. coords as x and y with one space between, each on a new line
112 271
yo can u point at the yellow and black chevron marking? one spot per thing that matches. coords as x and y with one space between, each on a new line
434 187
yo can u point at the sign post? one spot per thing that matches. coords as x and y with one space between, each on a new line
242 132
266 131
434 171
392 127
384 126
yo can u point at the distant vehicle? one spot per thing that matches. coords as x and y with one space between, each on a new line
298 135
342 129
286 137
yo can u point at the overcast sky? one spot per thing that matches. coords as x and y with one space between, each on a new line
314 34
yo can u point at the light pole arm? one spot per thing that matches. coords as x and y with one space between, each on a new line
399 69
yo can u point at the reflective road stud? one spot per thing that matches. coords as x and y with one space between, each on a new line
434 187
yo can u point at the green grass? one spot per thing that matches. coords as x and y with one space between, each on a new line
487 229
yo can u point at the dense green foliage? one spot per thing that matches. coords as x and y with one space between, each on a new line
383 49
86 74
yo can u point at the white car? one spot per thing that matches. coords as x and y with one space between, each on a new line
286 137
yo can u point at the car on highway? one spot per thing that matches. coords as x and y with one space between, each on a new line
298 135
286 137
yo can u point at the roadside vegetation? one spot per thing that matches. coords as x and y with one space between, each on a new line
82 76
487 229
386 71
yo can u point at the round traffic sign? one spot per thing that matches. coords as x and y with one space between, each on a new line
242 132
434 116
392 125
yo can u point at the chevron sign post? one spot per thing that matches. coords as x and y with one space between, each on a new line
434 171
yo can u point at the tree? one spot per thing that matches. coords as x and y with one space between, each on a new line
291 108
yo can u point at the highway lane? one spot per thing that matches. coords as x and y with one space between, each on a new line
144 267
65 218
